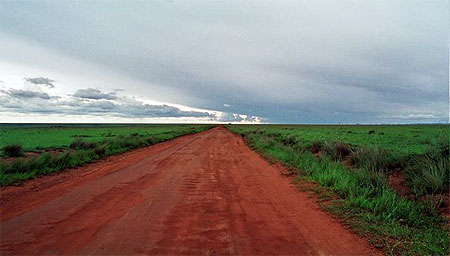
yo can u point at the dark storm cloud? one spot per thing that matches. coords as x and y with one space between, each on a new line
27 94
289 61
94 94
41 81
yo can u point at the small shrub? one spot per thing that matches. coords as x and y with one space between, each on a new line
100 151
90 145
62 160
79 143
441 146
336 150
4 166
316 146
289 140
19 165
13 150
43 161
152 140
122 143
342 149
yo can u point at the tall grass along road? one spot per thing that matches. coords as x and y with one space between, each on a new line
205 193
30 150
389 183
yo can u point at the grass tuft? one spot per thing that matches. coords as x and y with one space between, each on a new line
316 146
372 158
336 149
431 175
13 150
80 143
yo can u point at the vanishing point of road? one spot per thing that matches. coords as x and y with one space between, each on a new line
201 194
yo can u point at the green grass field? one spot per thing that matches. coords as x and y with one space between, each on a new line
349 168
37 136
58 147
399 139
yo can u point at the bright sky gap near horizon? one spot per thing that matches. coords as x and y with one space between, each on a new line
346 61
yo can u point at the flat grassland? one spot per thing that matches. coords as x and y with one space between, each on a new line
35 137
390 183
38 149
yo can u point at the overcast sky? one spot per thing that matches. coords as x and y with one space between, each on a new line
336 61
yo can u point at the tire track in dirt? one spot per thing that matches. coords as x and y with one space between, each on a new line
200 194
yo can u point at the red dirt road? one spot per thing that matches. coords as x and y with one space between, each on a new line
200 194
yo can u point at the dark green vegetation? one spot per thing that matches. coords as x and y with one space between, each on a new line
13 150
51 148
349 167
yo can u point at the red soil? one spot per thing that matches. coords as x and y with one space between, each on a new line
397 181
205 193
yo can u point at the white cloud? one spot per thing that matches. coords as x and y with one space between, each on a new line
416 116
104 105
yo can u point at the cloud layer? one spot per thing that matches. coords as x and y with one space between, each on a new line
291 61
94 94
24 94
94 102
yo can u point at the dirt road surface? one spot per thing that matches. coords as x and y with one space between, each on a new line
201 194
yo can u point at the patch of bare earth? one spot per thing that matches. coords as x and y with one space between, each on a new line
397 181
